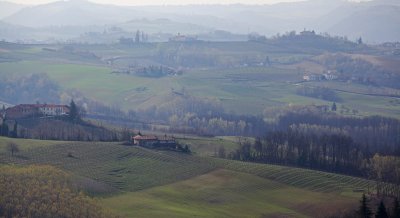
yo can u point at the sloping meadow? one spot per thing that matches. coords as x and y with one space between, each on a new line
107 168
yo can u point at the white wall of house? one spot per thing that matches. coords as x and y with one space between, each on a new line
52 111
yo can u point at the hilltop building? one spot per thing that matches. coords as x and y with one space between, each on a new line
154 141
183 38
35 110
330 76
320 77
312 77
307 33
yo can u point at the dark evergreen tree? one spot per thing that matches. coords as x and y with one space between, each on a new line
359 41
73 112
15 130
334 108
396 209
187 149
4 129
364 211
381 212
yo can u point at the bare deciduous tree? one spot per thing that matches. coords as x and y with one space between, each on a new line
12 147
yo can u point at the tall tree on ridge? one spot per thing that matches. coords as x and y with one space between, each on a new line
364 211
73 112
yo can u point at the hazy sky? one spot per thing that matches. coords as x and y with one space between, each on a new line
163 2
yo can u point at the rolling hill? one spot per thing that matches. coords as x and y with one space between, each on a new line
232 88
365 19
8 8
69 13
138 182
370 24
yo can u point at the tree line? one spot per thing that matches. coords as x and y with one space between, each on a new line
375 207
66 128
182 113
28 88
375 134
365 147
336 153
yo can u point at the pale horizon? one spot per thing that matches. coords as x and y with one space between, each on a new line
164 2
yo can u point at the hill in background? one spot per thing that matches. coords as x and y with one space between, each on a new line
366 19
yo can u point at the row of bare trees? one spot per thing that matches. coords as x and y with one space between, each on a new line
328 152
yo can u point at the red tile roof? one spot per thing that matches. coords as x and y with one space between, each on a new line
141 137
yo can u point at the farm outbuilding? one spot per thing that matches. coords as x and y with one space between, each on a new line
154 141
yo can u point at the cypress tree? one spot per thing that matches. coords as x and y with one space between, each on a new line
381 212
334 108
396 209
73 112
15 130
364 211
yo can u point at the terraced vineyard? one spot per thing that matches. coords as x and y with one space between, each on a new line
122 167
138 182
128 168
301 178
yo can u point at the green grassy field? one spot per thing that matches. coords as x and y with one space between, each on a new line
209 146
137 182
25 144
225 193
234 88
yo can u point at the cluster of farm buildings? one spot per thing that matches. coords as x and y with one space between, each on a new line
154 141
183 38
34 110
23 111
319 77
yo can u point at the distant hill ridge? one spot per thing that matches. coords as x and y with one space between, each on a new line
374 21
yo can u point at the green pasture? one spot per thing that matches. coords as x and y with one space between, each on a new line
209 146
24 144
225 193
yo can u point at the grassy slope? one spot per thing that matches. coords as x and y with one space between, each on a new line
150 183
224 193
25 144
204 146
122 167
131 168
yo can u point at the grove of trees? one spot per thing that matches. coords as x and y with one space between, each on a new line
366 147
43 191
29 88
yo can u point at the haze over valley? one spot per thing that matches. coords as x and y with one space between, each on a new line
69 20
215 109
